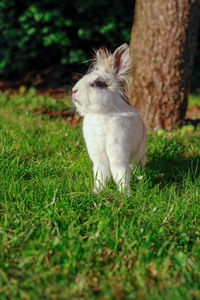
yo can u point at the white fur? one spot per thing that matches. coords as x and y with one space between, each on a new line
114 132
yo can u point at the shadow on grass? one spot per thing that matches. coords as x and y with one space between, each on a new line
195 122
169 170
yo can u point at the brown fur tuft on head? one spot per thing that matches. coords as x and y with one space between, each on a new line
102 59
118 63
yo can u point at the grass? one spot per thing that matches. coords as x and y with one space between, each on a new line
194 100
61 241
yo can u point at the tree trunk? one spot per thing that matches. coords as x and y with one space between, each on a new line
163 42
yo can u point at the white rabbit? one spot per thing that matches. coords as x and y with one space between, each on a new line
114 132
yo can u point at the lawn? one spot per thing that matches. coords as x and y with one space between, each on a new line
58 240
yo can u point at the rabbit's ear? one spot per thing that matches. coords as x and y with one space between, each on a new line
121 62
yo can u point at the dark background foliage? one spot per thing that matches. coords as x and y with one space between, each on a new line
40 34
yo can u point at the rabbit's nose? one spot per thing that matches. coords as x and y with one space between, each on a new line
75 91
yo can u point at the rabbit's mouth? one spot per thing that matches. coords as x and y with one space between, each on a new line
76 101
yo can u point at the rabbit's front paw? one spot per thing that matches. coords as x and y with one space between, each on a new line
101 176
98 186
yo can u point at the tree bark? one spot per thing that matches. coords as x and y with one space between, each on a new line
163 43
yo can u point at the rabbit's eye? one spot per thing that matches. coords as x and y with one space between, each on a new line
99 84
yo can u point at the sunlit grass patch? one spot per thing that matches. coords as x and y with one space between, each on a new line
61 241
194 100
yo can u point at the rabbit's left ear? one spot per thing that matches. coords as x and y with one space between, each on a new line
121 60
